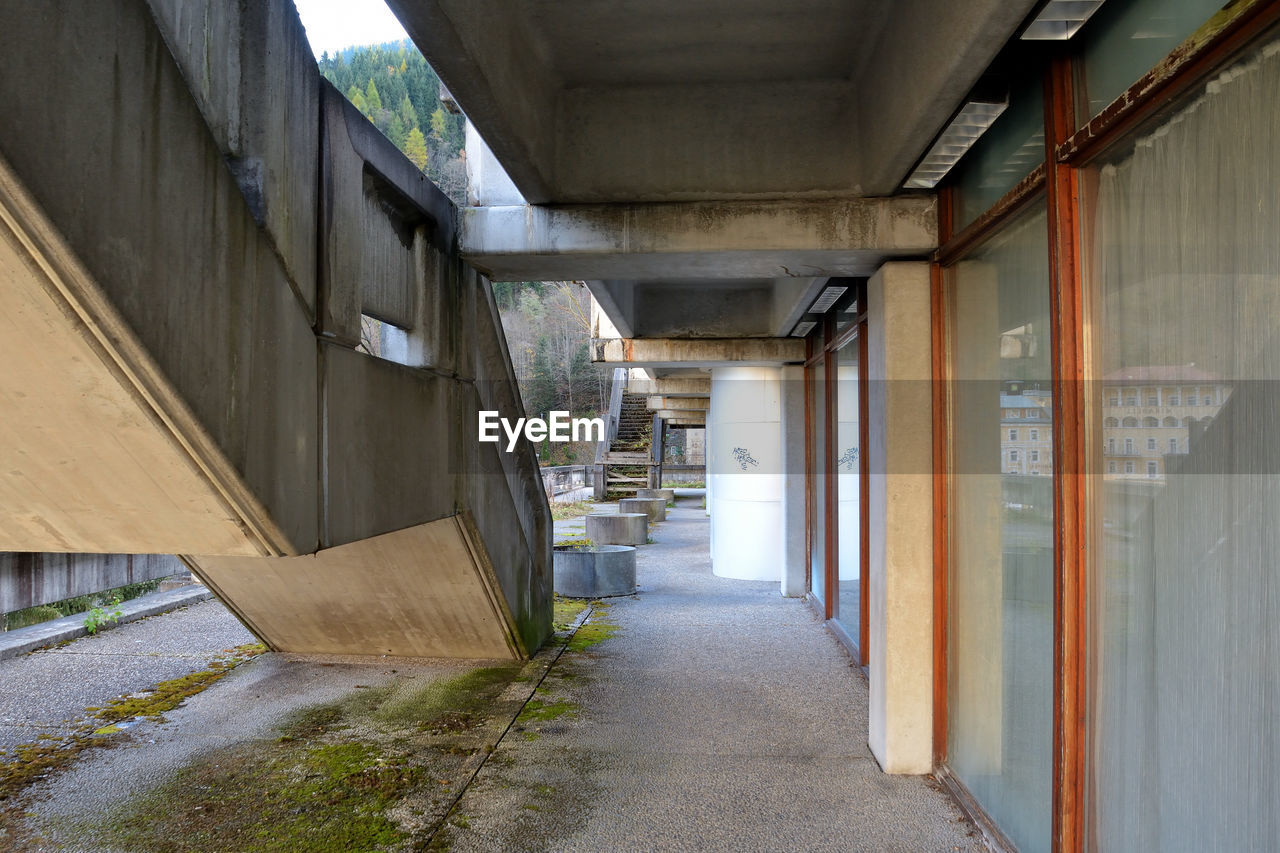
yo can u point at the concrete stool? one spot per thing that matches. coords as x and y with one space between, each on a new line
655 508
668 495
594 571
625 528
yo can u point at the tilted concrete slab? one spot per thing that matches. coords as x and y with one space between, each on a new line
695 404
369 597
756 239
697 352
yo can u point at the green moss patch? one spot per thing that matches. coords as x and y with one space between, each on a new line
537 711
282 797
565 611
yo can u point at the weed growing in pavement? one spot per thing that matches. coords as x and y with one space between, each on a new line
100 616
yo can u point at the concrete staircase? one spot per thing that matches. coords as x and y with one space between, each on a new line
630 453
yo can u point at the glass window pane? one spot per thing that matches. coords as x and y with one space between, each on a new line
1005 154
1125 38
1185 597
817 481
848 468
1000 644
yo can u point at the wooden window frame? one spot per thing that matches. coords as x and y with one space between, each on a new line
1069 147
821 347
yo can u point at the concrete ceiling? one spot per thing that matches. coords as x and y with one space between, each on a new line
667 100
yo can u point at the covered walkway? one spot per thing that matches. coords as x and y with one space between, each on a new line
717 716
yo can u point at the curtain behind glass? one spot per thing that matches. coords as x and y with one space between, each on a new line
1185 603
1000 641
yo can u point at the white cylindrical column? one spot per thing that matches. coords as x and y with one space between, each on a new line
744 461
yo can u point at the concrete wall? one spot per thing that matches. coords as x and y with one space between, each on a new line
193 235
30 579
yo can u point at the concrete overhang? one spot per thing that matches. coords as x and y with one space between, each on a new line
736 240
697 352
691 404
662 100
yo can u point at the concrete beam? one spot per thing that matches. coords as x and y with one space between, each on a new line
697 352
687 422
671 387
672 414
696 404
745 239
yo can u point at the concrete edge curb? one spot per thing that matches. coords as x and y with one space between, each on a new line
24 640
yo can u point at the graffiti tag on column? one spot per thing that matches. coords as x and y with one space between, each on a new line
743 457
849 460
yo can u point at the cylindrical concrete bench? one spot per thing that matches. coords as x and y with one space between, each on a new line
667 495
625 528
655 508
594 571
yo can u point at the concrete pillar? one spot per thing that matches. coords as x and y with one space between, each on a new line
624 528
901 570
655 508
745 461
794 555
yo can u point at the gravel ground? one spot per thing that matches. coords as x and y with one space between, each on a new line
703 714
46 691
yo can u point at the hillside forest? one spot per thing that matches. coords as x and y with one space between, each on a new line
548 329
397 90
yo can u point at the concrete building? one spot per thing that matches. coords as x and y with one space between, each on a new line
866 233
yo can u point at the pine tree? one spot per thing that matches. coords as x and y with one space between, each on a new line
439 127
408 115
542 384
371 97
396 132
415 148
356 97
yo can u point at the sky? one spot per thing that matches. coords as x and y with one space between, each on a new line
334 24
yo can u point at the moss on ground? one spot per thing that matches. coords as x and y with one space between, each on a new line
538 711
595 631
50 754
362 773
565 611
282 797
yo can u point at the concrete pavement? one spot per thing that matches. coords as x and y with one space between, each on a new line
718 716
702 714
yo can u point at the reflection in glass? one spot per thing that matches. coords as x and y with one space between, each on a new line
1000 642
848 467
1127 37
1185 596
816 389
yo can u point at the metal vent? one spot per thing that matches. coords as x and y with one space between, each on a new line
969 124
1059 20
827 299
803 329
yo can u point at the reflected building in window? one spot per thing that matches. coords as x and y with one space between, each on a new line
1152 414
